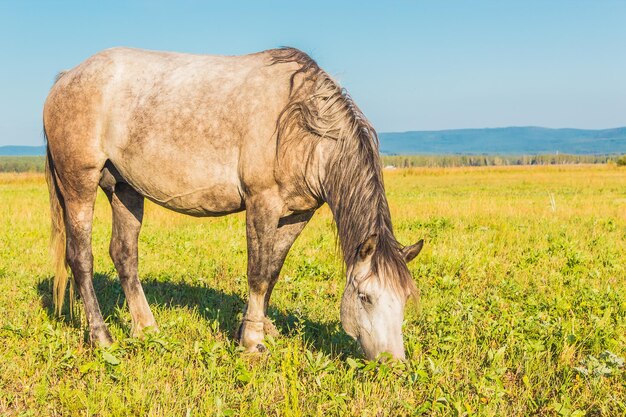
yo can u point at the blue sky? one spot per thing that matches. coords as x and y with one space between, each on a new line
421 65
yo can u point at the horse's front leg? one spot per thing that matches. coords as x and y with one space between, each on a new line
269 240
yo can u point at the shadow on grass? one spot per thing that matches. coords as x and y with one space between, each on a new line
212 305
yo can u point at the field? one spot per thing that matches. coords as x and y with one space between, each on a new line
522 311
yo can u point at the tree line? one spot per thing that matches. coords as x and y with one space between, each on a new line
22 163
443 161
37 163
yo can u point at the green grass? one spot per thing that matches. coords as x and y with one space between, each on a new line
522 311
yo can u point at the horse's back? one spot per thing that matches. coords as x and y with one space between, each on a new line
175 126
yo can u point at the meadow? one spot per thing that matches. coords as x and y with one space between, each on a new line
522 308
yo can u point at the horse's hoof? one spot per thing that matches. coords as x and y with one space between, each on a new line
103 339
258 348
269 328
141 332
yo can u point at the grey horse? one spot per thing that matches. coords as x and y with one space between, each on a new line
270 133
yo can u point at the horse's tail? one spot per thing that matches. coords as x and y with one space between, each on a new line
57 236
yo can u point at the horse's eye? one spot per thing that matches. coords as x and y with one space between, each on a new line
365 299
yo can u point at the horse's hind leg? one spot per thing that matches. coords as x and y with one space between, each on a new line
80 196
127 207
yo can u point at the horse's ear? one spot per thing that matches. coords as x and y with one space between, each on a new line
367 248
410 252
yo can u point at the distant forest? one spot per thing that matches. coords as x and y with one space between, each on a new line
22 163
37 163
413 161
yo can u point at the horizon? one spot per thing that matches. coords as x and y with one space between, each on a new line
410 67
510 140
401 132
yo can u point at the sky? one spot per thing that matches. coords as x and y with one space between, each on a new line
409 65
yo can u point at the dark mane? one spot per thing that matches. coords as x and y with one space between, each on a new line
353 187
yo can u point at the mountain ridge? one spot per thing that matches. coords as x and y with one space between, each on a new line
512 140
20 150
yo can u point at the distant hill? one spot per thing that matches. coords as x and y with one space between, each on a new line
22 150
505 141
495 141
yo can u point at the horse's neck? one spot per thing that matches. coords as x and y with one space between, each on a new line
356 197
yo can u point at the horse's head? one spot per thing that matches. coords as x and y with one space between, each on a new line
372 308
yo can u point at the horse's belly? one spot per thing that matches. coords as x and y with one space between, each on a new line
213 200
210 190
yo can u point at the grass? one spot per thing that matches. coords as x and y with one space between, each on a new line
522 312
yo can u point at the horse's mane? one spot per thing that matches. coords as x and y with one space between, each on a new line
353 187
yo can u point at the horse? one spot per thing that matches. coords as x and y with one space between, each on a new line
270 133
